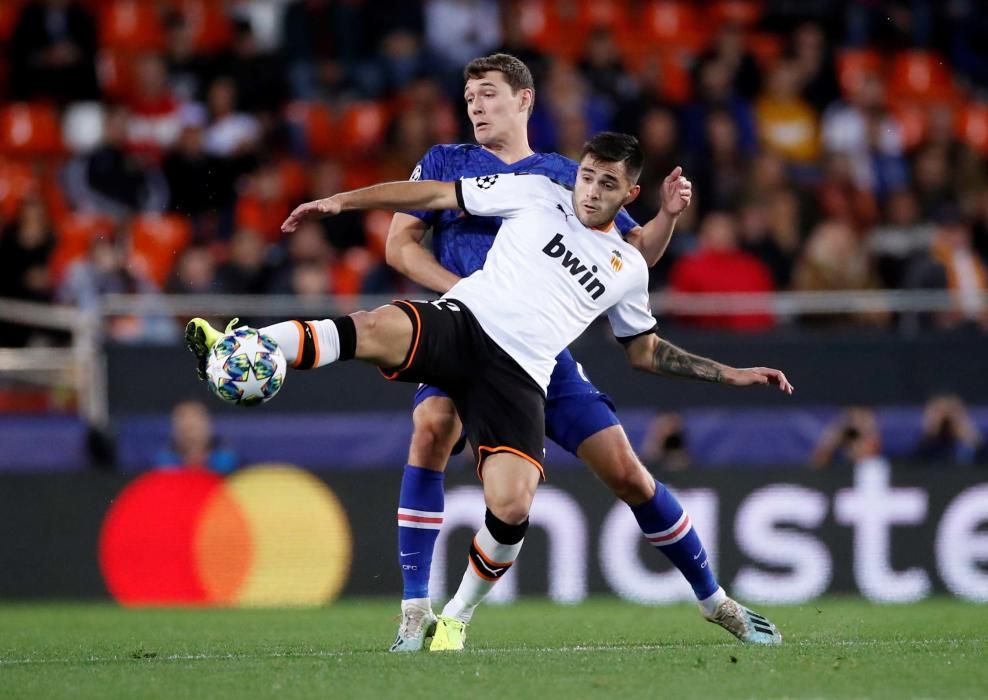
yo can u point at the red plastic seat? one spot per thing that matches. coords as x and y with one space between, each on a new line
743 12
972 126
75 234
210 25
362 127
674 24
132 25
30 129
17 181
920 75
852 67
316 122
912 118
157 240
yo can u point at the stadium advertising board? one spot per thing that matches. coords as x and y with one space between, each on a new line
274 535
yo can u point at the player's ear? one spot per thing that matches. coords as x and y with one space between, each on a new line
632 195
527 98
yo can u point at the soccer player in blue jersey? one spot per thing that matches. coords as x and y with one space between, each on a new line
499 95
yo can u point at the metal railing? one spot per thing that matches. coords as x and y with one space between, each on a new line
83 364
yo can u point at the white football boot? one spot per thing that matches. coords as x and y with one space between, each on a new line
418 623
745 624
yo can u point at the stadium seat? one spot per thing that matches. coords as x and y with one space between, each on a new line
603 13
766 48
912 119
362 126
9 12
540 22
920 75
131 24
674 24
972 126
30 129
17 180
743 12
210 25
315 122
113 69
74 234
156 241
853 65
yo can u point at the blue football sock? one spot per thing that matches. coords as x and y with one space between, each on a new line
668 528
420 515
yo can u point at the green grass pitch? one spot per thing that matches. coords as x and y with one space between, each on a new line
533 649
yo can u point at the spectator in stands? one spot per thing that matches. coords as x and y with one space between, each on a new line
316 57
900 240
840 196
719 265
193 444
786 123
194 273
768 231
814 59
248 269
53 52
25 248
113 180
932 180
343 231
722 174
230 132
563 96
306 247
516 42
457 31
714 91
834 259
258 75
949 435
262 204
189 71
155 112
198 183
665 444
953 264
729 50
862 129
853 437
979 225
104 270
603 68
658 133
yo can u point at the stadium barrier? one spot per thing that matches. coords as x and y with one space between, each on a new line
276 535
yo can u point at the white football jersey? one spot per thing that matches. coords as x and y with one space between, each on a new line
547 276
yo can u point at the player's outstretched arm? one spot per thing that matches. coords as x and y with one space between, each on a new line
422 194
406 254
650 353
653 238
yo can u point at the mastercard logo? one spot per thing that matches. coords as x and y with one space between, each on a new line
269 535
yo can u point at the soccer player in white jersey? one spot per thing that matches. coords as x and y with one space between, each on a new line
490 342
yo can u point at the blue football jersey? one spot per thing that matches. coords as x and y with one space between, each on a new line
460 242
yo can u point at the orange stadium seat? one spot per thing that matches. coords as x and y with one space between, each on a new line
540 22
114 70
362 126
603 13
131 25
30 129
210 25
9 12
674 24
74 234
853 65
972 126
920 75
157 240
17 181
912 119
315 120
765 47
743 12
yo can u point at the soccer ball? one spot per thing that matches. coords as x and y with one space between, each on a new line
245 367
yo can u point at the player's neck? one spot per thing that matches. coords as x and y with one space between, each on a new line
510 151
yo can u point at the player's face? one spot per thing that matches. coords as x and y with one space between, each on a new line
601 189
496 114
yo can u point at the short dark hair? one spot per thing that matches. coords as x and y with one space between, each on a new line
516 73
612 147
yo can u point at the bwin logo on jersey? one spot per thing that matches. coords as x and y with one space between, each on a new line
556 249
616 261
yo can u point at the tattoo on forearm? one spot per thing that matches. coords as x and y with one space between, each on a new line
673 361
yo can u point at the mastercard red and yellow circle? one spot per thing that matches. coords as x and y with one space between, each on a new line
270 535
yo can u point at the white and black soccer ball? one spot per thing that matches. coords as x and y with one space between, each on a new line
245 367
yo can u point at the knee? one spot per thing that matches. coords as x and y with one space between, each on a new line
435 433
512 512
629 480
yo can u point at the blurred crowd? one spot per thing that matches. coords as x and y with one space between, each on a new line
151 146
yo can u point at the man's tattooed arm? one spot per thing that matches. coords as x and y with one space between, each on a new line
671 361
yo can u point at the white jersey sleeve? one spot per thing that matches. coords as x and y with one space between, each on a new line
632 316
498 194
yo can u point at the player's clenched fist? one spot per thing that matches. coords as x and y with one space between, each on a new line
316 209
676 192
